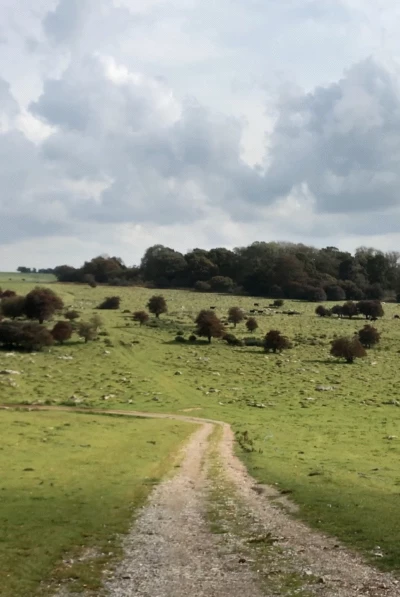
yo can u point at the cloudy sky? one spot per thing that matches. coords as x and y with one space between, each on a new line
126 123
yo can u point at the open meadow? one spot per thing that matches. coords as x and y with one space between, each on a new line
323 431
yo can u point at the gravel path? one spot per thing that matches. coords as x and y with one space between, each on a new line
170 551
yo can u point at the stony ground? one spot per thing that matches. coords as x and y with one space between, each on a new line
171 550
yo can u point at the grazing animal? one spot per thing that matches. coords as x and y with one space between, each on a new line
261 312
212 307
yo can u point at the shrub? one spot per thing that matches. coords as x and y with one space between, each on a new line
72 315
348 349
157 305
7 293
87 330
201 286
192 338
323 311
251 324
13 306
370 309
180 339
369 336
353 292
208 325
337 310
90 280
141 316
275 341
278 302
349 309
229 338
111 302
62 331
235 315
24 335
42 303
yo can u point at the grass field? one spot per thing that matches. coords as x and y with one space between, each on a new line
329 449
13 277
69 485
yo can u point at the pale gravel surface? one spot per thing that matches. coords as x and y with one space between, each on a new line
170 551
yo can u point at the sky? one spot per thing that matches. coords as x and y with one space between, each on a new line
129 123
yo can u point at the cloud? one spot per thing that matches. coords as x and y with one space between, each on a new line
342 141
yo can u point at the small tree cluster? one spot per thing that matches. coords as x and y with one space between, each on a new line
208 325
24 336
111 302
348 349
274 341
157 305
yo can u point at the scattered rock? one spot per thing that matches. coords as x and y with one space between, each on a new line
9 372
324 388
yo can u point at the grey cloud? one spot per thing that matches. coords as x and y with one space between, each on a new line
342 141
64 22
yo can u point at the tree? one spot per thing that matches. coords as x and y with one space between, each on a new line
251 324
369 336
141 316
370 309
323 311
13 306
335 293
208 325
62 331
42 304
111 302
201 286
157 305
235 315
349 309
275 341
24 270
348 349
315 295
374 292
221 284
72 315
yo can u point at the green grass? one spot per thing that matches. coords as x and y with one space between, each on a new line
341 434
69 485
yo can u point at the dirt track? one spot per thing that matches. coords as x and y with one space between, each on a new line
170 551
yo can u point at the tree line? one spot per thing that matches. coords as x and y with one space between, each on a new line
270 269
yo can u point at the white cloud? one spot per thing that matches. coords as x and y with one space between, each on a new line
124 120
